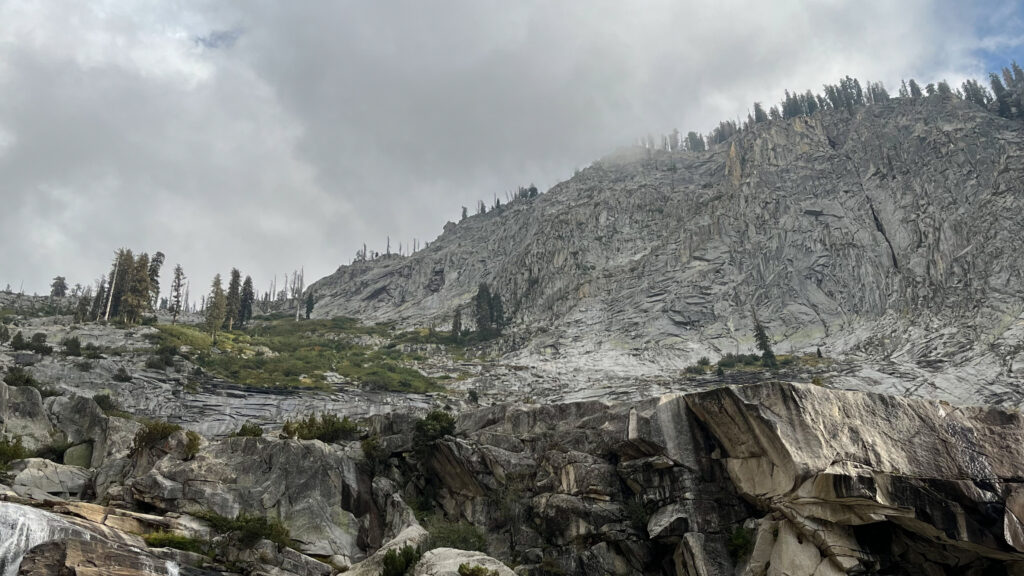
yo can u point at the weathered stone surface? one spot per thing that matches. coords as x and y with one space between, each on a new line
446 562
318 491
43 476
22 414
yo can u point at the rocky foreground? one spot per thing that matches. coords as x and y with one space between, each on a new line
773 478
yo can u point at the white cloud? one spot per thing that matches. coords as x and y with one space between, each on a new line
270 135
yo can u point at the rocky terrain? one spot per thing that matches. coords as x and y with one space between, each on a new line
773 478
890 237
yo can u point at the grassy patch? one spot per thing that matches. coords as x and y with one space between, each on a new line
326 428
152 433
300 354
250 529
177 541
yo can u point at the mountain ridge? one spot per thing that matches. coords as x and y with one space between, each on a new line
862 233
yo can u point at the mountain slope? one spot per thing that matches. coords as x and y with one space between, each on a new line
893 235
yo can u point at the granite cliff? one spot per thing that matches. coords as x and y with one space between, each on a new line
890 236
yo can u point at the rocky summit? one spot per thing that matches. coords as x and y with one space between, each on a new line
890 235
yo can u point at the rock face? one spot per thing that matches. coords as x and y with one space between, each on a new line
892 234
767 479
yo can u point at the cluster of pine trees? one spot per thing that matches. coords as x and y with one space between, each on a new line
1004 96
230 310
130 291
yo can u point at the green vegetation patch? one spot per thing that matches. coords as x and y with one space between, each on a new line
177 541
250 529
327 428
284 354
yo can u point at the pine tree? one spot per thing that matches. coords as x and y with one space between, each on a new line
234 300
248 299
915 90
498 320
59 287
155 264
5 334
120 273
310 302
764 345
482 310
457 324
82 311
135 301
216 308
98 300
177 295
759 113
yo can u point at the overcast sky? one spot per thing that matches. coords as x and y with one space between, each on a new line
272 135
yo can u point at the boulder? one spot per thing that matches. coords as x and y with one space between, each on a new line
446 562
36 476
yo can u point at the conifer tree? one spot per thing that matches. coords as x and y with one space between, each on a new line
59 287
155 264
117 283
248 299
177 292
497 312
764 345
98 300
5 334
482 310
82 311
135 301
310 302
915 90
234 300
457 324
216 308
759 113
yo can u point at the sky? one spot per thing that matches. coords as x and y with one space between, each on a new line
270 136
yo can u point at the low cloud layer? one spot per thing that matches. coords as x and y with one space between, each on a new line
268 136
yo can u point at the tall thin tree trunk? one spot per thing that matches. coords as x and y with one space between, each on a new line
113 281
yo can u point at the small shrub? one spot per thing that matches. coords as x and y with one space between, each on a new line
376 454
250 529
5 334
92 352
177 541
191 444
327 428
719 371
122 375
461 535
741 543
477 570
435 426
19 342
695 370
399 562
72 346
152 433
11 449
474 396
704 362
83 366
39 345
17 376
249 430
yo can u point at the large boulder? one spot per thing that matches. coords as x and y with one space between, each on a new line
446 562
41 479
320 492
929 476
81 420
22 414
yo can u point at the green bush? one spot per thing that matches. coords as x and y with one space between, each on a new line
122 375
83 366
18 376
400 562
327 428
177 541
72 346
5 335
467 570
461 535
741 543
109 406
249 430
250 529
92 352
152 433
376 454
192 443
11 449
704 362
39 345
19 342
435 426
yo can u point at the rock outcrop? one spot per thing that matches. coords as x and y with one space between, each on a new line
892 235
765 479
